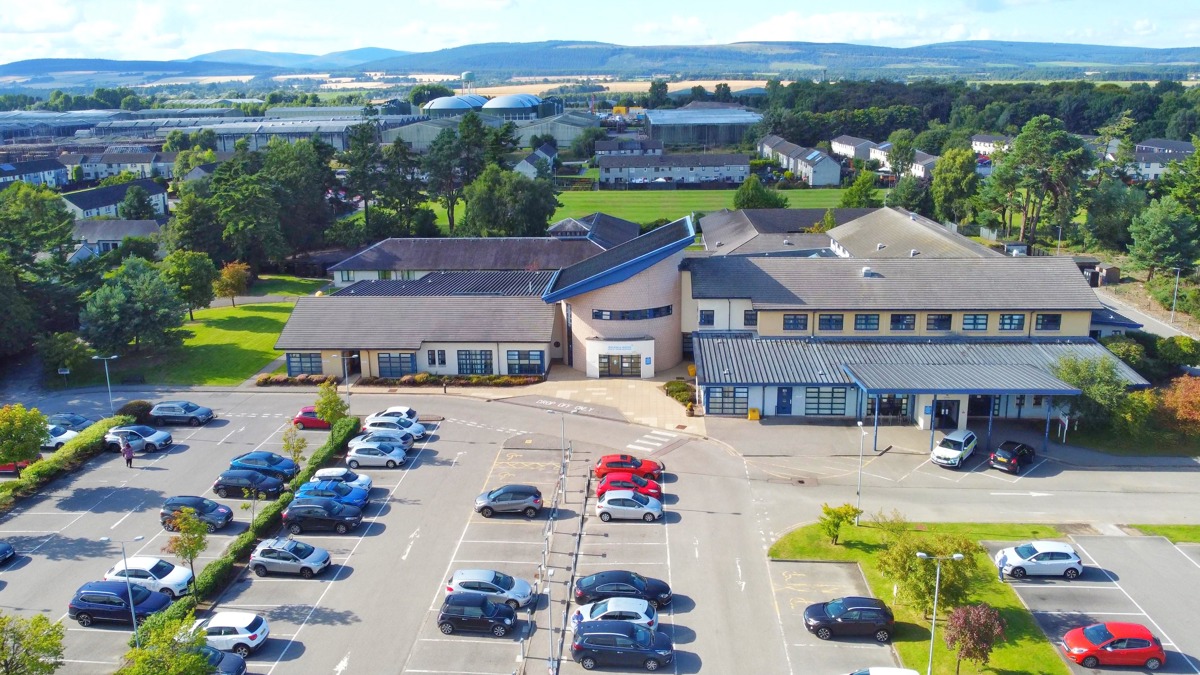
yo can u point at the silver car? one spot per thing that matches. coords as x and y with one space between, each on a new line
498 586
633 610
404 423
141 437
72 421
393 437
525 499
342 475
288 556
629 505
380 454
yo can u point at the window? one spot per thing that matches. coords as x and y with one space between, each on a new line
795 322
904 322
525 362
829 322
825 401
474 362
1049 321
889 405
937 322
384 275
975 321
707 317
436 357
866 322
749 318
1012 322
631 314
1037 399
299 362
617 365
727 400
397 365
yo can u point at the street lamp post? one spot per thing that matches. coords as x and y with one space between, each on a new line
137 641
862 436
107 381
937 583
346 372
1059 250
1176 296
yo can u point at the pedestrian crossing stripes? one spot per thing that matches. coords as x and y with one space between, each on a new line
652 441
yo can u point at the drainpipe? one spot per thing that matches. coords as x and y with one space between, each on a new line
497 357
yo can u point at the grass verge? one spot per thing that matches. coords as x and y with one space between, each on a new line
1151 442
1189 534
271 284
1026 649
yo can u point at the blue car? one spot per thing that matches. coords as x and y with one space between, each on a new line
110 601
268 463
337 491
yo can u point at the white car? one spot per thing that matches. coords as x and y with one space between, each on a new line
955 448
1044 558
239 632
633 610
342 475
628 504
153 574
56 436
382 454
395 437
400 419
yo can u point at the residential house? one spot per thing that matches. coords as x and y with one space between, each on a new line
987 144
923 164
98 236
629 146
623 169
851 147
48 172
1164 145
1152 165
545 156
812 167
103 201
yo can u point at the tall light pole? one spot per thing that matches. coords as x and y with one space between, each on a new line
346 373
862 436
1059 250
107 381
1176 296
937 583
137 641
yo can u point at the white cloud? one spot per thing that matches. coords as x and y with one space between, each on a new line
676 30
470 5
861 27
45 16
1144 27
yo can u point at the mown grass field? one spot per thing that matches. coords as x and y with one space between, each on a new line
1025 650
1176 533
269 284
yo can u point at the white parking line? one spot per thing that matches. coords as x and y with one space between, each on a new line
459 672
459 641
1074 587
503 541
131 512
1031 470
1189 558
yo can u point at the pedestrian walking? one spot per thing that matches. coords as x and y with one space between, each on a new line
127 453
1000 563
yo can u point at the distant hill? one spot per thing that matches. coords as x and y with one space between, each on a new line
353 57
255 57
38 67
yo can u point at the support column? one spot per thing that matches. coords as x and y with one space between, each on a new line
1046 438
991 414
875 442
932 421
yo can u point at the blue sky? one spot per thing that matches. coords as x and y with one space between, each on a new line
168 29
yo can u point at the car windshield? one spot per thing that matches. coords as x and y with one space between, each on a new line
951 444
340 489
301 549
208 506
641 499
1025 551
835 608
256 478
348 476
336 508
599 608
272 459
638 480
139 594
57 431
638 580
141 430
504 581
161 569
387 447
1097 634
489 608
404 421
211 655
642 636
190 407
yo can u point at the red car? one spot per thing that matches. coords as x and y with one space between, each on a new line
623 480
307 419
628 464
1114 644
12 467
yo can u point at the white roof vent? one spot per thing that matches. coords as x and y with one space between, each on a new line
912 216
866 272
914 253
787 242
880 246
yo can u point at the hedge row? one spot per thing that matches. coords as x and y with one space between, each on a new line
429 380
303 379
88 444
680 391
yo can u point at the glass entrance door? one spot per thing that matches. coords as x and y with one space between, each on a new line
618 365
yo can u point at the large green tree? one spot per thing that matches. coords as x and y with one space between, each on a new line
249 213
134 305
20 320
752 194
193 273
362 159
584 146
1112 207
1049 165
1164 236
169 646
32 646
136 205
909 193
403 192
954 184
862 193
507 204
1182 180
445 178
1103 391
903 151
194 224
301 177
425 92
22 432
33 220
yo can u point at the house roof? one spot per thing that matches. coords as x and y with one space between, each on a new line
605 230
337 322
648 161
1160 157
975 378
900 233
32 166
628 144
853 140
1108 317
897 284
727 232
113 230
991 138
471 253
1166 144
728 360
622 261
799 153
489 283
111 194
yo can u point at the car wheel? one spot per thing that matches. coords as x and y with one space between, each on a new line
530 512
1017 573
513 603
651 664
222 492
210 527
300 425
84 619
605 516
260 570
588 663
150 447
824 633
156 421
446 628
1153 664
295 528
113 447
1071 573
341 528
195 421
391 464
168 526
882 635
1090 662
168 592
58 446
353 464
306 573
499 631
486 512
649 517
242 651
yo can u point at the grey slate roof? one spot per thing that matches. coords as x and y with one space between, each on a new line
735 229
1108 317
1166 144
852 140
810 284
336 322
605 230
649 161
32 166
455 283
767 361
615 145
113 230
991 138
901 232
111 194
470 253
627 252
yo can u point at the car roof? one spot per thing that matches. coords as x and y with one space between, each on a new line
519 488
860 601
605 627
608 575
1012 445
1129 630
312 501
960 434
474 575
171 403
141 561
625 604
325 484
331 471
309 408
465 599
182 499
114 587
617 494
1052 546
242 473
621 457
231 619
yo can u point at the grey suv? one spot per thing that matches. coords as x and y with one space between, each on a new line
620 643
510 499
214 515
141 438
181 412
288 556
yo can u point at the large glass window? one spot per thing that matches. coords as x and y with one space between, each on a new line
749 318
727 400
1049 322
866 322
618 365
904 322
397 365
795 322
937 322
347 275
889 405
300 362
631 314
707 317
474 362
825 401
1012 322
829 322
975 321
436 357
525 362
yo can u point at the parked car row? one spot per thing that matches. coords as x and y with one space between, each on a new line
957 446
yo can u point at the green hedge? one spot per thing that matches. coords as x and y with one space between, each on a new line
88 444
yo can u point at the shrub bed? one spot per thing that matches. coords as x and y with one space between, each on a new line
139 410
88 444
680 391
303 379
431 380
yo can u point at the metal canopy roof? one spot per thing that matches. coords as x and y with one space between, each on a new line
887 378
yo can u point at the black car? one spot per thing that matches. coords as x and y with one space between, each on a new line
620 643
850 616
622 584
266 462
222 663
246 483
1011 456
473 612
320 513
213 514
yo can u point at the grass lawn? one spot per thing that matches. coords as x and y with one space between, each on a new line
1176 533
1026 649
1152 442
273 284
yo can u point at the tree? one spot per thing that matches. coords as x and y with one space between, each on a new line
834 517
752 194
954 184
330 406
190 538
903 151
177 140
658 94
1178 350
136 205
205 139
193 273
301 178
584 146
509 204
119 179
974 630
168 647
20 321
909 193
22 432
233 281
362 159
1182 180
32 646
722 93
445 181
1164 236
825 224
471 147
249 213
1103 391
501 141
403 191
1118 131
1112 207
140 247
134 304
33 220
294 445
1181 402
1048 164
915 578
194 225
63 350
861 194
425 92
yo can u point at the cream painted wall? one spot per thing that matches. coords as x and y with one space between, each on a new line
770 323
